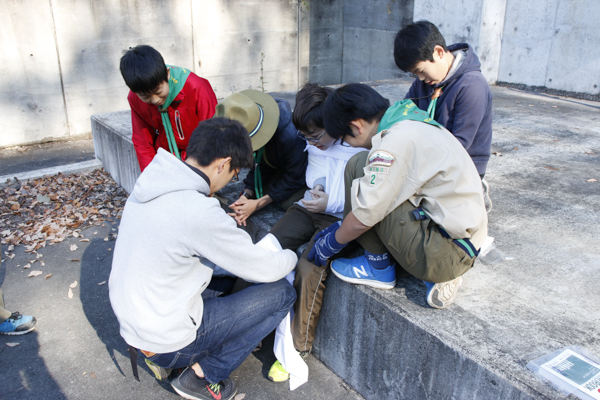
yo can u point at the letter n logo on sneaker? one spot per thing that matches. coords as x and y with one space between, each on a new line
215 396
359 272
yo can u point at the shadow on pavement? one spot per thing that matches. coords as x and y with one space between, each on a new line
95 268
24 373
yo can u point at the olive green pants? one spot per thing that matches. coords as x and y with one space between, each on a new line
4 314
295 228
417 245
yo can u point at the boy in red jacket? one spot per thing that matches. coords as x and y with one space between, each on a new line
167 103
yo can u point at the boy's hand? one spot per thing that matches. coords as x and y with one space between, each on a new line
319 202
242 209
325 246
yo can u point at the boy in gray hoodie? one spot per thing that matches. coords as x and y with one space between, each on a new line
171 237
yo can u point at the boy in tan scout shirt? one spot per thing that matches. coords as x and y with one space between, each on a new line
415 197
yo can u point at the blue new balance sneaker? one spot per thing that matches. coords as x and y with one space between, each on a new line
17 324
358 270
442 295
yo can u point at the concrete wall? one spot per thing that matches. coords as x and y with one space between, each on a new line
60 57
546 44
353 40
552 44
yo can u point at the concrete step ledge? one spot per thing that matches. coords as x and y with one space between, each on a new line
83 166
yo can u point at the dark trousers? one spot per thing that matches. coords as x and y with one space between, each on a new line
231 327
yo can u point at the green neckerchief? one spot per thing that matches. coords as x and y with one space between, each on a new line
177 78
433 103
404 110
258 187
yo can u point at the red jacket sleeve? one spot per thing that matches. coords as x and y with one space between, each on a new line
206 101
143 135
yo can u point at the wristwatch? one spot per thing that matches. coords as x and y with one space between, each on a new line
246 194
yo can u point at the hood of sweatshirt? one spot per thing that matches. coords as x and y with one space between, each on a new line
470 63
167 174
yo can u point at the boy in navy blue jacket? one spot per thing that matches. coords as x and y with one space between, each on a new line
451 87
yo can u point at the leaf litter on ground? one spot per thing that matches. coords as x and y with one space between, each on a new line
36 212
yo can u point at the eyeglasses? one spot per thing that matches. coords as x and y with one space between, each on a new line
311 138
235 176
342 143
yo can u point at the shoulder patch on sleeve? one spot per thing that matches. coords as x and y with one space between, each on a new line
381 157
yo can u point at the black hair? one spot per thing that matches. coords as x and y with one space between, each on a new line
220 138
143 69
308 111
415 43
349 103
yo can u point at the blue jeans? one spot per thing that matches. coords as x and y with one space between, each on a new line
231 327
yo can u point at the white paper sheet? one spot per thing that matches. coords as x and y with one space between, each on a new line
284 345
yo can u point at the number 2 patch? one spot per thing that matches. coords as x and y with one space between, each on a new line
372 179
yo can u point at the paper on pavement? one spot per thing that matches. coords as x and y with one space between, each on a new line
284 345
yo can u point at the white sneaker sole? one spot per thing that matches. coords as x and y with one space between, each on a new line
366 282
17 333
449 291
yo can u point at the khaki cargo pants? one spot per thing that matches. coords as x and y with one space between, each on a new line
417 245
295 228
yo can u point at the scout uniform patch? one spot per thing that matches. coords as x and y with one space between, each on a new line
379 162
380 157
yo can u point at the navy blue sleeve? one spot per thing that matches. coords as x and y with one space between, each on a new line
294 170
471 108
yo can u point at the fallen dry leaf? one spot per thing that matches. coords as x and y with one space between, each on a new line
11 255
590 154
47 276
102 283
11 247
93 375
39 255
73 247
34 273
497 154
74 259
70 293
106 239
43 263
84 240
95 233
591 180
44 211
27 266
73 285
552 168
84 373
12 344
240 396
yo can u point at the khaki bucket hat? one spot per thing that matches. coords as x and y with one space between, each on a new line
258 112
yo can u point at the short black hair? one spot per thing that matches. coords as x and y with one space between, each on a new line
308 111
143 69
415 43
349 103
220 138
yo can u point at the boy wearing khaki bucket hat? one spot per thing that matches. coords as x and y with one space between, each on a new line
280 159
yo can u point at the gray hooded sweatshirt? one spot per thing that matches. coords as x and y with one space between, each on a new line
170 239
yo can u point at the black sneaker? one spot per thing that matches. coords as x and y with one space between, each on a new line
190 386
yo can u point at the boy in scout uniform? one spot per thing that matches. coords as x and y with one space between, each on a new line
415 197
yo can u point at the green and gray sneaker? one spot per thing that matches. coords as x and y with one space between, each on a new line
278 374
160 373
